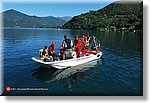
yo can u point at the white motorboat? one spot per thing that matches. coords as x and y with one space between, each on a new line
61 64
70 62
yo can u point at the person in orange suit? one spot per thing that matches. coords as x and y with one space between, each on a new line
77 46
61 48
83 45
51 50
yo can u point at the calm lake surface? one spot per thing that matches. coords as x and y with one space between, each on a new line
119 72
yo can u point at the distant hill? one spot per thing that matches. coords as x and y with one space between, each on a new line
116 16
13 18
66 18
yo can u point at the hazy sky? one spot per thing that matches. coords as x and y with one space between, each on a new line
54 9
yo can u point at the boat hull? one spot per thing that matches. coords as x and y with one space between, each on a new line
68 63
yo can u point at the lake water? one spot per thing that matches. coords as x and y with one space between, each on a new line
119 72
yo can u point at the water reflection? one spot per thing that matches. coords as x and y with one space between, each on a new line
53 74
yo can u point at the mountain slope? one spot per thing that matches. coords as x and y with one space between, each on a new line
13 18
114 16
66 18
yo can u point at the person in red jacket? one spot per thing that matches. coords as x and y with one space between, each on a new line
51 50
77 46
61 48
83 46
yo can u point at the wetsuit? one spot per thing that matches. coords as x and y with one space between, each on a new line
84 50
51 51
67 44
77 47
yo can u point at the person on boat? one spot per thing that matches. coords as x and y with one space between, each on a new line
45 51
67 45
44 54
83 46
61 48
51 50
85 38
77 46
41 51
88 41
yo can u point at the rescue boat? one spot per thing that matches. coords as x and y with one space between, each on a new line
68 63
91 55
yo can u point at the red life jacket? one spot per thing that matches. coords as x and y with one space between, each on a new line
61 48
84 51
77 43
51 49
